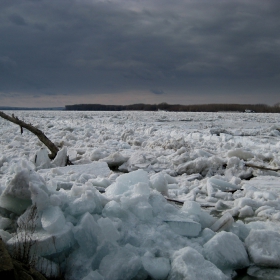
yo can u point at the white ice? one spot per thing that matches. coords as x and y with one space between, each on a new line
163 195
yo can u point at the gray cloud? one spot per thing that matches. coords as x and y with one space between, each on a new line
17 19
157 91
96 47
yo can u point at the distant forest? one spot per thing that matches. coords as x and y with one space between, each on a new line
258 108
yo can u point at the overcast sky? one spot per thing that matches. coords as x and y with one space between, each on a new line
58 52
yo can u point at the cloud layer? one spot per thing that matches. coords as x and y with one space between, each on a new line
191 51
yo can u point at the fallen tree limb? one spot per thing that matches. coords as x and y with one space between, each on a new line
262 167
42 137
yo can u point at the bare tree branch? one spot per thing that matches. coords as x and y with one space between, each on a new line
42 137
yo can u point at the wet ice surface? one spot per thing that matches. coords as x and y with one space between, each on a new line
112 215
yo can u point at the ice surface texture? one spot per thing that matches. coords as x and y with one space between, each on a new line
131 231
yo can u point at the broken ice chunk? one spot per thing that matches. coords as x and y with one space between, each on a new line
240 229
108 229
49 268
157 268
226 251
42 159
159 182
126 181
264 247
224 223
18 186
104 249
234 212
94 168
39 196
243 201
143 210
4 235
214 185
44 243
100 182
139 176
14 204
220 206
264 273
193 177
170 179
61 158
115 160
98 154
4 222
121 264
25 186
88 202
87 233
93 275
187 263
52 219
114 209
240 153
193 210
246 211
184 227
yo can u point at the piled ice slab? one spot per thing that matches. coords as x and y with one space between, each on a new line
131 231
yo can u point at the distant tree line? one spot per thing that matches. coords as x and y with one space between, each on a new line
258 108
3 108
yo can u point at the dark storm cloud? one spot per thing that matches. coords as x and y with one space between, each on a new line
157 91
88 46
16 19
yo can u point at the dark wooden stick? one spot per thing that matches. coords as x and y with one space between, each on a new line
42 137
262 167
174 200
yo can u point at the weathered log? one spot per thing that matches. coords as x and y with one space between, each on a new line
42 137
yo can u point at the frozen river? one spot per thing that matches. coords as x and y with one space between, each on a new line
151 195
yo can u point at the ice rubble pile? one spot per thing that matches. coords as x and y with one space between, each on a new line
131 231
177 143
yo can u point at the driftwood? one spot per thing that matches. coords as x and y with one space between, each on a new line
262 167
174 200
42 137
